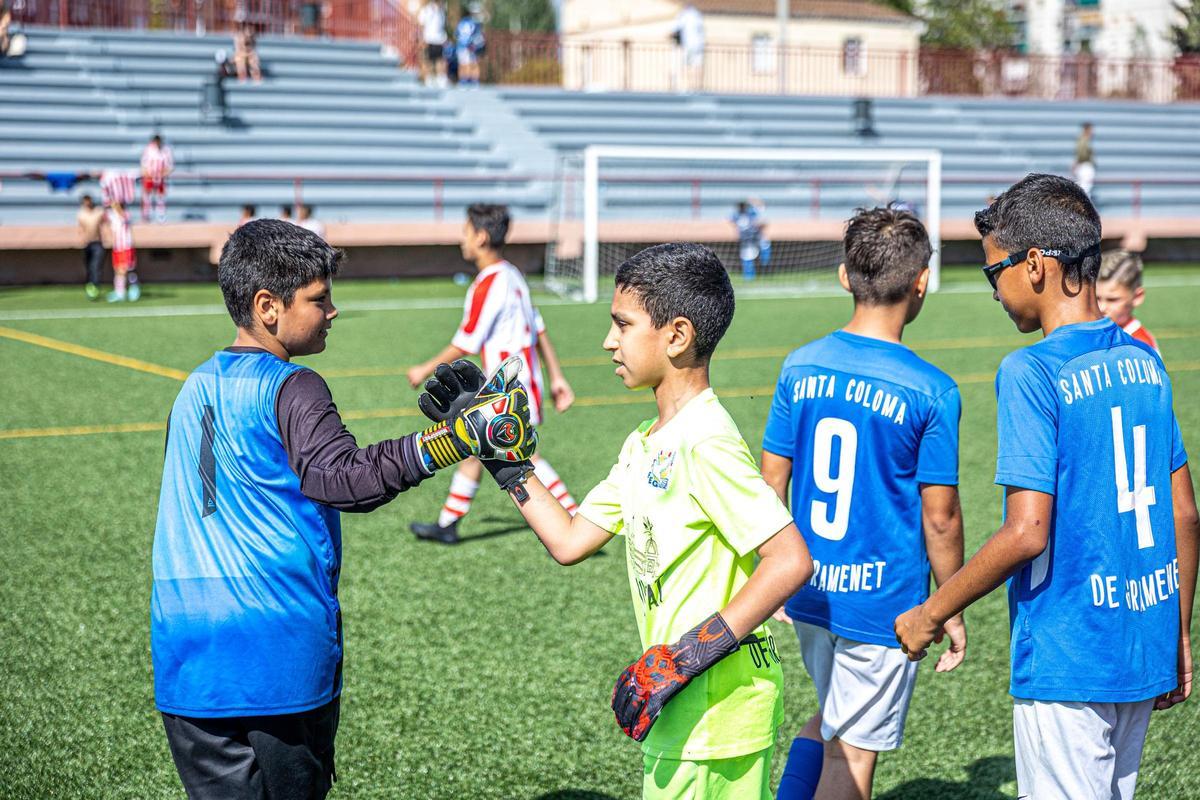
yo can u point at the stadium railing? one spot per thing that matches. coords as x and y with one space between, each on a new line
384 21
623 65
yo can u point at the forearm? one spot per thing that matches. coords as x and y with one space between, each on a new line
773 581
999 558
777 472
448 355
568 539
549 356
1187 543
944 541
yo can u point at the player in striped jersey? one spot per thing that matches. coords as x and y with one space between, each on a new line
124 257
117 186
1119 291
157 163
499 321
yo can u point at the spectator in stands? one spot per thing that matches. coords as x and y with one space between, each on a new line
157 163
305 220
245 54
249 212
91 220
688 35
754 248
1084 168
285 213
5 21
432 17
469 45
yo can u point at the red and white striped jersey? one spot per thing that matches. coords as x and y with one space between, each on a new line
1135 329
121 230
499 320
117 186
157 161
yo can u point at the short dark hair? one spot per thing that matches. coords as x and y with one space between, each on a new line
492 219
886 249
286 209
1046 211
682 280
250 209
87 198
274 255
156 139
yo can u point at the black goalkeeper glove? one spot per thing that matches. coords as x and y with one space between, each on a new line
661 673
489 420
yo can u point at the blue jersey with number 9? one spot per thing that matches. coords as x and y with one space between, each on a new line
244 613
1085 415
865 423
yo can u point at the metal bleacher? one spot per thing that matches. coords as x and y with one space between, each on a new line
369 144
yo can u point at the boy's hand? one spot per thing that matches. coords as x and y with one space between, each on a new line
915 630
782 616
562 393
1184 690
418 373
647 684
491 422
956 629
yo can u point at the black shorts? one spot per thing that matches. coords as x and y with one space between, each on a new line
283 757
434 52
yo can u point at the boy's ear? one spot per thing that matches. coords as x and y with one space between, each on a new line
266 307
1139 296
681 334
921 285
843 277
1035 266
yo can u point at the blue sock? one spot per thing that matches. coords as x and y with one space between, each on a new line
803 770
764 256
748 269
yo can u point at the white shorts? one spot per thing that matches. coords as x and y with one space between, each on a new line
1085 175
863 689
1079 751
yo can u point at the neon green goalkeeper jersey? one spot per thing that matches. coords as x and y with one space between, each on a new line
693 508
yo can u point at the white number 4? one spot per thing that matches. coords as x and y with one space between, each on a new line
1142 497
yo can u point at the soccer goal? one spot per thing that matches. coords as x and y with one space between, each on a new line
775 216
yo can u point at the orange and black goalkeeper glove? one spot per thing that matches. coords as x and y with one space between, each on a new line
648 683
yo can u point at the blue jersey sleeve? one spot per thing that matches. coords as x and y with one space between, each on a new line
1026 425
780 435
1178 454
937 456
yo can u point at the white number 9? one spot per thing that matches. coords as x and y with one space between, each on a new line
841 485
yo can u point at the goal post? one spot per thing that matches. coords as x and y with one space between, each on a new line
635 196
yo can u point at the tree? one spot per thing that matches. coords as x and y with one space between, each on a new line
1187 35
962 24
521 15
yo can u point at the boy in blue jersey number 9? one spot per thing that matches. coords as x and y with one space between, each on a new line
866 432
246 628
1099 540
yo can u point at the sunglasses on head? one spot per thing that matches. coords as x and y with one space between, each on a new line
992 271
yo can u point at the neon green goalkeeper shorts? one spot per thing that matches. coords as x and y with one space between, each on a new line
741 778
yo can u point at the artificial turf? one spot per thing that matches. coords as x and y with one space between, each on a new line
478 671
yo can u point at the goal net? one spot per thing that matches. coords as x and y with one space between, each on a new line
774 216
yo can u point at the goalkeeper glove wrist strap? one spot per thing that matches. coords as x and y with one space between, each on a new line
704 645
439 447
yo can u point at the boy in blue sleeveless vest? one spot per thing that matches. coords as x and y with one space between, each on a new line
867 434
246 630
1099 539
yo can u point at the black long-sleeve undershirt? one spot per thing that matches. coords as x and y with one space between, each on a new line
332 468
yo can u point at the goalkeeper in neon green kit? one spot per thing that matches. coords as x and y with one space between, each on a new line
706 697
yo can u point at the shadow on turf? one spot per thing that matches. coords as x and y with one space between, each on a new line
984 779
574 794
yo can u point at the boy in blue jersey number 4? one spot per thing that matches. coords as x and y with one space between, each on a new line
867 434
246 628
1099 539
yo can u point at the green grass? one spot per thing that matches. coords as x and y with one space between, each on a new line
481 671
